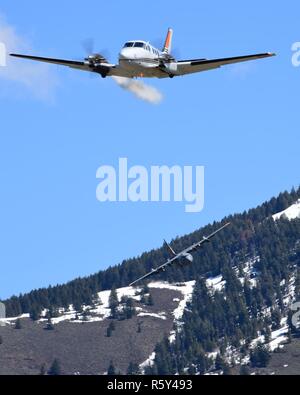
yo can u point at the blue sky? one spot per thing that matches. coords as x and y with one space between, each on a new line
240 122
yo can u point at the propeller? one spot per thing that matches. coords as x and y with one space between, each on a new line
92 57
88 45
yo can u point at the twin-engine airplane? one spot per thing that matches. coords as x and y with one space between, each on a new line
140 59
182 257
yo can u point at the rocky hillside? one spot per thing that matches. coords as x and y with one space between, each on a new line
83 342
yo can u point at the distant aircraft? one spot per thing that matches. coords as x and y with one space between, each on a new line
141 59
184 256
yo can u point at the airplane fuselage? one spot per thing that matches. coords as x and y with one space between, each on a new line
141 59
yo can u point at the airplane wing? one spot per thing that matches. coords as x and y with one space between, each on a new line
156 271
207 239
102 68
194 247
198 65
61 62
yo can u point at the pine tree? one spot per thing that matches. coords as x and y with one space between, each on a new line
113 303
276 319
192 370
268 335
133 369
220 363
163 359
110 329
226 370
43 370
55 369
18 324
244 370
139 330
260 356
111 369
49 326
201 362
145 290
129 309
150 300
85 316
35 314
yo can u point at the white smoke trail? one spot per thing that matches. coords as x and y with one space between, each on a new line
36 77
140 90
2 55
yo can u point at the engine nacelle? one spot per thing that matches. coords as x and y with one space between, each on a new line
188 257
171 67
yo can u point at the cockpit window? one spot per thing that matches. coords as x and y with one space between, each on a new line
139 45
128 45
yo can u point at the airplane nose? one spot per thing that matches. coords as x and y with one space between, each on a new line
126 53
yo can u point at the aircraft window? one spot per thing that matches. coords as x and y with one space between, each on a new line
128 45
139 45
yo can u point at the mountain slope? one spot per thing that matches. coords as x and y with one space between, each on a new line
81 291
81 342
247 304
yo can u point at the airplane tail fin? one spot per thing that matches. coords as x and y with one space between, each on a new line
173 253
168 43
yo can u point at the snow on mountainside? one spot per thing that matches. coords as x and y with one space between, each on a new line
12 320
279 336
187 290
290 213
80 339
101 311
215 284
